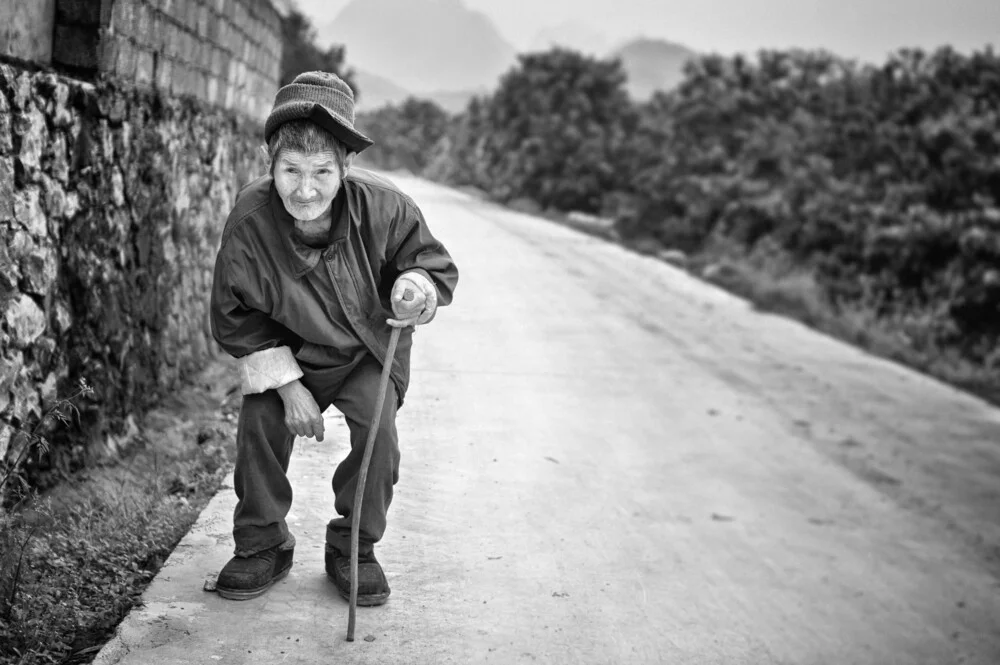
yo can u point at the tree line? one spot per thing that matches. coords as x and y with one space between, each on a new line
881 181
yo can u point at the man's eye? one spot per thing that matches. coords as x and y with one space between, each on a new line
324 171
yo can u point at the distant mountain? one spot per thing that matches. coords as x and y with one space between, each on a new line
422 45
376 91
454 101
574 35
652 64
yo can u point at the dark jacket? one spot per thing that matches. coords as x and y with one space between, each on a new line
272 291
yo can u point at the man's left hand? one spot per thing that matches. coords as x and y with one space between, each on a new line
414 300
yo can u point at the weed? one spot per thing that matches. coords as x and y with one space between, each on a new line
28 441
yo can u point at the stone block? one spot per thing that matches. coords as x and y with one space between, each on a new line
183 51
117 187
142 21
123 18
48 390
179 84
112 105
201 86
6 189
57 156
28 212
213 28
125 61
25 321
30 126
26 404
202 20
164 74
145 63
122 138
61 319
107 55
10 273
191 15
10 369
53 198
171 38
6 143
216 91
59 110
22 91
159 32
72 205
40 269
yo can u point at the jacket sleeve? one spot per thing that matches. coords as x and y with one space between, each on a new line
411 248
265 348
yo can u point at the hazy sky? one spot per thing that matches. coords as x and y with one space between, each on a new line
866 29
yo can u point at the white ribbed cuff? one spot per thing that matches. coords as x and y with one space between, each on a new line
268 369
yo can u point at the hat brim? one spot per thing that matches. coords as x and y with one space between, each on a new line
352 138
322 116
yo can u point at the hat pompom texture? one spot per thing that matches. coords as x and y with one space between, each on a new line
320 97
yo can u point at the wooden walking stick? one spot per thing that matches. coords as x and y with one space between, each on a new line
359 491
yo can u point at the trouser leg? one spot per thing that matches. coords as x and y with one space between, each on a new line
263 449
356 400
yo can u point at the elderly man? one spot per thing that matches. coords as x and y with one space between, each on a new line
318 261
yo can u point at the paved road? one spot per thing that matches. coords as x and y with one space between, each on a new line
606 461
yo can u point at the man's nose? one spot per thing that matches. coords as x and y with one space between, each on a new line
307 188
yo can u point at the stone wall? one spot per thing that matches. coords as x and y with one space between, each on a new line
226 53
112 203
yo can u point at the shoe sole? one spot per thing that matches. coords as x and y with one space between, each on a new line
247 594
367 600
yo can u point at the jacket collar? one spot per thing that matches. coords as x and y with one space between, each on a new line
304 258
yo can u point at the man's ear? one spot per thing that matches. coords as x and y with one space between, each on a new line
265 156
348 161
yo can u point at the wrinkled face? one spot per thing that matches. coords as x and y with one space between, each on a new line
307 182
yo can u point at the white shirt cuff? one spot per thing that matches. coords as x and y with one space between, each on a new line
268 369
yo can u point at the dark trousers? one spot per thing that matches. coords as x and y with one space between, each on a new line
264 447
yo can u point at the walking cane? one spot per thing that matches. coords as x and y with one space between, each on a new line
359 491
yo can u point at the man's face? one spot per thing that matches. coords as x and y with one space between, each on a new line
307 182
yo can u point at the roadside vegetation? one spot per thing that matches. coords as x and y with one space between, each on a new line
859 199
75 559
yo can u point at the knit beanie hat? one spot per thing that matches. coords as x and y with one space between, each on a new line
323 98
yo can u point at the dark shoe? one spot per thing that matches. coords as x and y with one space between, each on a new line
373 588
248 577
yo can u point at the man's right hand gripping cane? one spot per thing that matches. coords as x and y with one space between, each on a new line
414 300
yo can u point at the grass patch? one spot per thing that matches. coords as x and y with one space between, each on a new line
76 560
796 294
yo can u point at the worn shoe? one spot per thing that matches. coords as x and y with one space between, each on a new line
373 588
248 577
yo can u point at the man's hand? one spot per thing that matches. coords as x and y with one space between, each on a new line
302 414
414 300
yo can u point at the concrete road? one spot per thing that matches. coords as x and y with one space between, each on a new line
606 461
